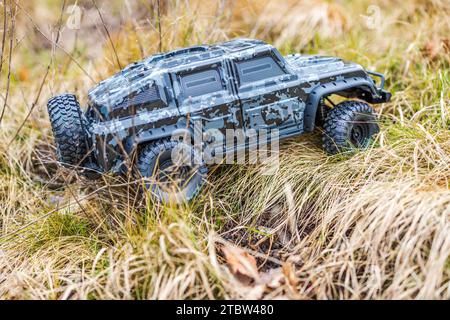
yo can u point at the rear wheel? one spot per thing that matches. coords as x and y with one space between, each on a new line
69 127
174 171
350 124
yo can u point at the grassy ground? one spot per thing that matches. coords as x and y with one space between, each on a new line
375 225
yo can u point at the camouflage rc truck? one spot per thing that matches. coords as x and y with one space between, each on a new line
132 117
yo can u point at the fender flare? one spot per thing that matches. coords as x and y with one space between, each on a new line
328 88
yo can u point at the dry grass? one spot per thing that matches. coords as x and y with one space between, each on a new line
374 225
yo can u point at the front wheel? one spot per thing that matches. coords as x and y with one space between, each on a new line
350 124
70 129
173 170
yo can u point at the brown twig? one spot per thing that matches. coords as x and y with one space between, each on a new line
53 42
11 40
34 104
159 27
5 25
107 33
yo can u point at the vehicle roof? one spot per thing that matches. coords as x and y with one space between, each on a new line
192 54
114 89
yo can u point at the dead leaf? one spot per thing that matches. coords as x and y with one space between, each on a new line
292 281
289 272
242 265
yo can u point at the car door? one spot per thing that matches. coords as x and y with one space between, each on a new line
267 94
205 93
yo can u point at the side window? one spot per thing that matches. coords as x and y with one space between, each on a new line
200 83
149 96
258 69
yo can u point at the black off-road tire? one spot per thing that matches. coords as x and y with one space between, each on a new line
350 124
69 129
154 154
322 112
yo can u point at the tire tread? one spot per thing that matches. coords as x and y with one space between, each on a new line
69 128
337 123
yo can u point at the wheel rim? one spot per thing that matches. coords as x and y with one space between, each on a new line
359 134
170 175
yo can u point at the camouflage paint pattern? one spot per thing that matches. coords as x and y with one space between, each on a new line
145 100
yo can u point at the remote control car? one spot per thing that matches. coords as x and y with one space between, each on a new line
132 117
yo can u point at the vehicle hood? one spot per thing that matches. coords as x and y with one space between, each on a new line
311 66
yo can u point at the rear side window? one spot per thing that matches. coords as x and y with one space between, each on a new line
200 83
257 69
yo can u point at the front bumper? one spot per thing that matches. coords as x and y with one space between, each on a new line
382 95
